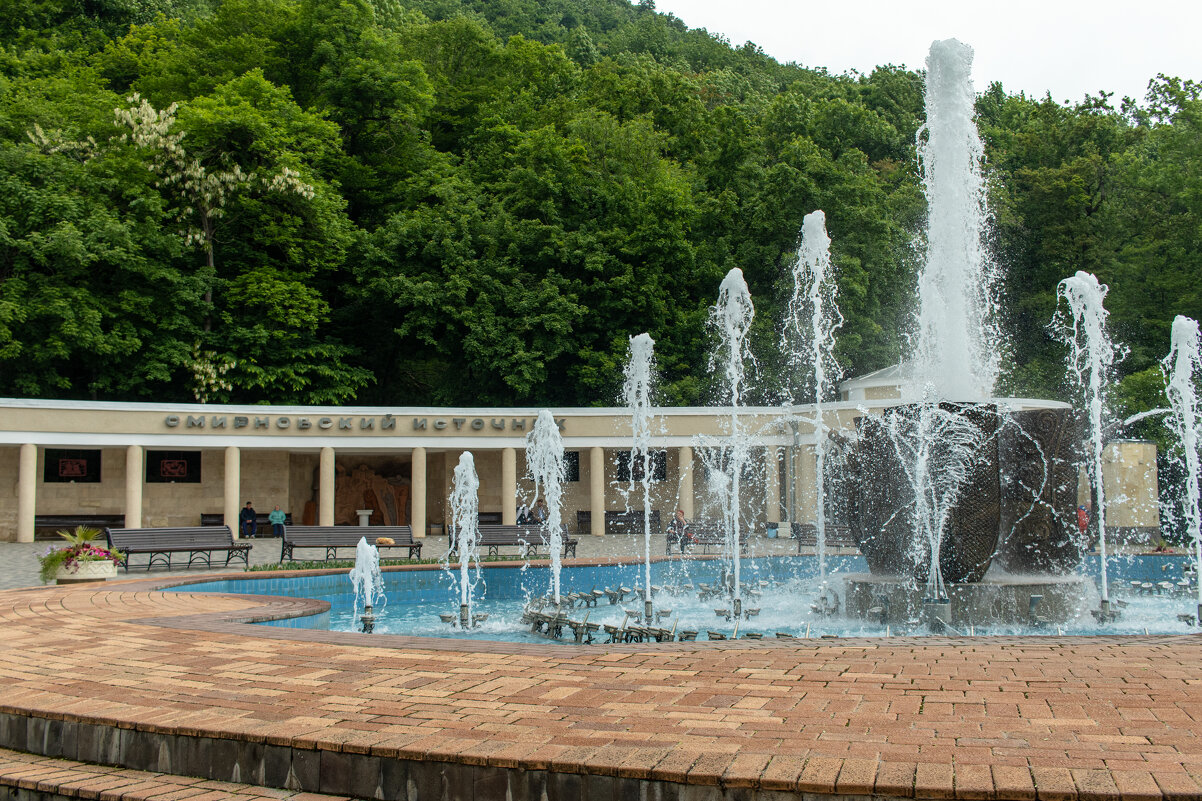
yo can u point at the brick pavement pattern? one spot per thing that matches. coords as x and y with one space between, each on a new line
1047 719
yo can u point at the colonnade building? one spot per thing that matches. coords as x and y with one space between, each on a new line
148 464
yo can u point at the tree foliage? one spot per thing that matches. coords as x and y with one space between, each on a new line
478 201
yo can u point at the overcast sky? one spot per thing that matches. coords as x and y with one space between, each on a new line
1033 46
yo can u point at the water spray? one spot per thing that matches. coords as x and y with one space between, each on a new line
544 460
731 318
367 583
465 521
1181 368
1091 355
811 321
637 393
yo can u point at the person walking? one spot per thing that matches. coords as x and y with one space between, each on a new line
248 521
276 518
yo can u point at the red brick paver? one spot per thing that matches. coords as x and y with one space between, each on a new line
1034 719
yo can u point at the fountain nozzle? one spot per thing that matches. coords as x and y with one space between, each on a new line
465 619
1104 613
368 619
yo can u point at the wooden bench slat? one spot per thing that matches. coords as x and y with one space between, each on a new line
836 535
333 538
495 536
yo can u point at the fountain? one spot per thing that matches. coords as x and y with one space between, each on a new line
731 319
1181 368
637 393
544 460
367 582
961 502
943 482
1091 355
465 520
808 335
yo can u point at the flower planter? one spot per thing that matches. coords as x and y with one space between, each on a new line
86 572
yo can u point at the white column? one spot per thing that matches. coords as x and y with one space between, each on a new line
685 459
133 486
509 486
807 489
772 466
325 488
27 491
231 501
418 485
596 482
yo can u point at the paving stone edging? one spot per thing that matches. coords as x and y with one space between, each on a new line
338 773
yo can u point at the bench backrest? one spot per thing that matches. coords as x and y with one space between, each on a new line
189 537
346 535
630 522
501 534
835 532
712 531
218 519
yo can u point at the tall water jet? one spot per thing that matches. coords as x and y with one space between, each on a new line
1181 368
731 319
636 392
367 582
465 521
1091 356
808 339
544 460
956 357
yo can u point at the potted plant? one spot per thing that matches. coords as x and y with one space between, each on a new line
81 560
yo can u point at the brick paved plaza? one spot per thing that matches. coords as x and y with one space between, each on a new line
141 694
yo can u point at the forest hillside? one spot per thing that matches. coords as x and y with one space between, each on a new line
477 202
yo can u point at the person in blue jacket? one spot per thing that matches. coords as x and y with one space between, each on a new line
247 521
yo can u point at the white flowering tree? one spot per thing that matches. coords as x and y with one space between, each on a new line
202 192
237 173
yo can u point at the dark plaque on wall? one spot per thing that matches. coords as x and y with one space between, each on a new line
71 466
178 467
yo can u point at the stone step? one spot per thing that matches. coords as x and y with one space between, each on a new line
28 776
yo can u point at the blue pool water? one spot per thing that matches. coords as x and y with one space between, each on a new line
787 587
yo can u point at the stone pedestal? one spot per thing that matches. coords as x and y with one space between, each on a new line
364 516
1002 601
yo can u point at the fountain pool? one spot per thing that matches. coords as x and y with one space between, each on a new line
772 584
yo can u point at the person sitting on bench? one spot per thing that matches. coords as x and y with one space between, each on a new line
678 531
247 521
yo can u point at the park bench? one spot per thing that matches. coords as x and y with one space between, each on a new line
333 538
706 534
836 536
527 539
618 522
46 527
161 544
